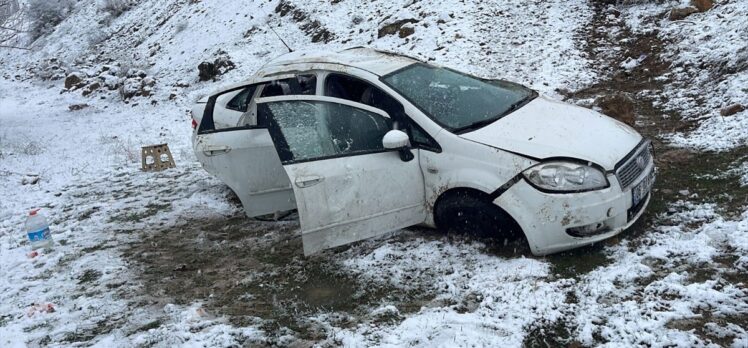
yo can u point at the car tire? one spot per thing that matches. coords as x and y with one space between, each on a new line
465 212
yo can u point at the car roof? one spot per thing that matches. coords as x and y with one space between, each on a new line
377 62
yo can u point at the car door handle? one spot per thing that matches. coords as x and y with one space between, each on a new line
308 181
212 150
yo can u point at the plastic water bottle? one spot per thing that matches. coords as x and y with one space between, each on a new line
37 229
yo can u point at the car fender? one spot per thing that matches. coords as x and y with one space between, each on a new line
471 178
455 181
515 204
486 180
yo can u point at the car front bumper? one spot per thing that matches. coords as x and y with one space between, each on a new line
546 218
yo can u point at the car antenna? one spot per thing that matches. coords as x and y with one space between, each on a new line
279 38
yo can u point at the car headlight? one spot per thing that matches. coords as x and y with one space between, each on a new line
562 176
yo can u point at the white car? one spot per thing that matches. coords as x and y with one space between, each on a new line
365 142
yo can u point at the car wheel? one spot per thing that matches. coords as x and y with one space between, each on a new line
465 212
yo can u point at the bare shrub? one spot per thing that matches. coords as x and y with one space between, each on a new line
116 8
19 144
12 26
45 15
30 148
24 147
130 62
121 151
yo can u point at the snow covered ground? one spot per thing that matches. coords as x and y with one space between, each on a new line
709 52
678 282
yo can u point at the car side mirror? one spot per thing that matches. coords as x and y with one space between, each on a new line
395 140
398 140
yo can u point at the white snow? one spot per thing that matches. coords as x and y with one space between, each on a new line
744 172
653 283
508 295
709 52
670 275
88 165
88 161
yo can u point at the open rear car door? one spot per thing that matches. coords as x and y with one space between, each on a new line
347 186
244 158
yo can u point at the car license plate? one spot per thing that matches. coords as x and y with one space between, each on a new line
641 189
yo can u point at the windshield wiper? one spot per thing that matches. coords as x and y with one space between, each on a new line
522 102
480 124
476 125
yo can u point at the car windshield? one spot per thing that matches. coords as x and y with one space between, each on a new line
457 101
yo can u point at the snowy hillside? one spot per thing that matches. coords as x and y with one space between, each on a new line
168 259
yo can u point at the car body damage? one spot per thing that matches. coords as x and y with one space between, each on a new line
541 129
362 145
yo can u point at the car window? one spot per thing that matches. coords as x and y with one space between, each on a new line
299 85
308 130
240 102
419 138
215 116
457 101
360 91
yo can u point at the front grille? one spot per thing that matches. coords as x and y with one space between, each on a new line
634 165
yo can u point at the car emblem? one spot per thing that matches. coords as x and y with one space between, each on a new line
641 161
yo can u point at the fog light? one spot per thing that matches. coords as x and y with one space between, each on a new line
588 230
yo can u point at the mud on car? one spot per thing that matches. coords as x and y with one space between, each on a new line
363 142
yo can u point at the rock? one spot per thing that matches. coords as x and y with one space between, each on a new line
148 81
223 65
406 31
397 28
677 14
619 106
73 80
30 181
110 81
137 86
310 26
130 88
702 5
732 110
207 71
76 107
136 73
91 88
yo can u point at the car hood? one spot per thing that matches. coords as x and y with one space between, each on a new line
546 128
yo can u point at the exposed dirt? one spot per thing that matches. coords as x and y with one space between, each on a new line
250 270
633 93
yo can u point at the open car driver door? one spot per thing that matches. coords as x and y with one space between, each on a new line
347 186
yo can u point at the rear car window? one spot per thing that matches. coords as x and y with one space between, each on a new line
299 85
240 102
